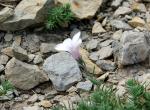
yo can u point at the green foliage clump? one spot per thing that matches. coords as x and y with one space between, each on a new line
58 16
104 98
5 86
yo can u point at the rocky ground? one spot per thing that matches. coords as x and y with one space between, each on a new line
116 42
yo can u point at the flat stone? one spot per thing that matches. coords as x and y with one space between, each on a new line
97 28
120 25
8 51
116 3
45 104
90 66
105 52
92 44
19 53
106 43
117 35
93 56
38 59
47 47
62 70
85 86
18 73
122 11
106 65
3 59
137 21
8 37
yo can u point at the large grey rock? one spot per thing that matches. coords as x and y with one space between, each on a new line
27 13
24 76
135 48
63 70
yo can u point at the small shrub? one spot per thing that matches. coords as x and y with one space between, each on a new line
5 86
58 16
104 98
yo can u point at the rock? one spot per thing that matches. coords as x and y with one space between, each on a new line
97 28
133 44
105 52
5 13
33 99
117 35
32 43
120 91
144 80
106 43
47 47
120 25
92 44
24 76
31 57
80 10
45 104
8 37
8 51
90 66
63 70
104 76
85 86
138 7
106 65
32 108
122 11
38 59
19 53
17 41
3 59
116 3
137 22
93 56
2 68
23 18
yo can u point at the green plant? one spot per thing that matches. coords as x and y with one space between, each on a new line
5 86
103 98
58 16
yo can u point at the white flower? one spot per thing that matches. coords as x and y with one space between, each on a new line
71 45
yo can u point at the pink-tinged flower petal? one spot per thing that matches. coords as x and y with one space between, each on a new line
65 46
76 37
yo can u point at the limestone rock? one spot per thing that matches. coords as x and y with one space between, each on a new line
63 70
120 25
134 48
137 22
3 59
122 11
5 13
83 8
89 64
24 76
85 86
27 13
8 51
19 53
97 28
92 44
106 65
47 47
